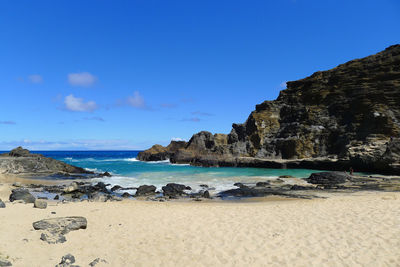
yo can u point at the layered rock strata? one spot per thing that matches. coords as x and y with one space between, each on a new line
345 117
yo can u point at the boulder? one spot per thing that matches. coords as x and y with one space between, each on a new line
115 188
55 228
100 197
2 204
145 190
22 194
71 188
4 262
126 195
173 190
262 184
105 174
328 178
97 261
67 261
40 204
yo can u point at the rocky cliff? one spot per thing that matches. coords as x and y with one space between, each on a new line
345 117
159 152
21 161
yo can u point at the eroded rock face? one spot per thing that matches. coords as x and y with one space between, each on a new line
349 115
21 161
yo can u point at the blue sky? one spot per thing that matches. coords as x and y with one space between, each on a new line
128 74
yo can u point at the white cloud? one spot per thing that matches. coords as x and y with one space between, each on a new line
177 139
35 78
84 79
73 103
136 100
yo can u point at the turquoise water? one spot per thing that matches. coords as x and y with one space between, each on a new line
129 172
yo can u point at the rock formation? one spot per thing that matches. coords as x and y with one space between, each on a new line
54 229
158 152
21 161
345 117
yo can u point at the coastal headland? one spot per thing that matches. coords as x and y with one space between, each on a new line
346 117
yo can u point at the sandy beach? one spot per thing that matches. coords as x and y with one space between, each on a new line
360 229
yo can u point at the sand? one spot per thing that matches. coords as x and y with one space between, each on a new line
347 230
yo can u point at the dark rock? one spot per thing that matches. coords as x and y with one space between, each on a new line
4 262
126 195
67 261
105 174
22 194
204 186
240 185
57 197
100 186
244 192
261 184
51 238
328 178
173 190
300 187
206 194
145 190
96 261
115 188
2 204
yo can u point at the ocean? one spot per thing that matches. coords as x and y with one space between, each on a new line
127 171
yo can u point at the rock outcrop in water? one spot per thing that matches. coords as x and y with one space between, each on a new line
159 152
21 161
345 117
